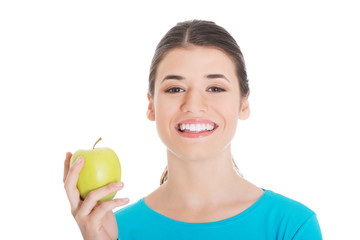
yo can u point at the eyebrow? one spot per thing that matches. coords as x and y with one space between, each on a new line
209 76
213 76
175 77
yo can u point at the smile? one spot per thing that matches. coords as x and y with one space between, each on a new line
196 127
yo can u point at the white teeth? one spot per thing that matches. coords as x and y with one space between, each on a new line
196 127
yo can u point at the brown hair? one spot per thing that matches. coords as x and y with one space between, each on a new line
199 33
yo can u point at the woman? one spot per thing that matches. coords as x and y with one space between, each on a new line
198 89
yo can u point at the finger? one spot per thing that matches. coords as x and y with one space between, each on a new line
93 197
66 165
71 182
103 208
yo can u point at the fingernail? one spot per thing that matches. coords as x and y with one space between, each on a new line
119 184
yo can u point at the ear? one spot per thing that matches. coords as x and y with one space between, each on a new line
244 111
151 111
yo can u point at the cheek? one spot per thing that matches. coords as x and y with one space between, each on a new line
164 111
230 111
232 118
229 106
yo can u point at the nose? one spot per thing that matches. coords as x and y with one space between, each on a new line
194 102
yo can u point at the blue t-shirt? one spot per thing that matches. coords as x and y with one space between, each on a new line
273 216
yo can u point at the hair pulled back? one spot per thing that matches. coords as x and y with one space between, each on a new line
199 33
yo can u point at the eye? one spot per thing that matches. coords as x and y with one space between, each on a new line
216 89
174 90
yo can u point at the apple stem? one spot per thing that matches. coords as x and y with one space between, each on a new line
96 142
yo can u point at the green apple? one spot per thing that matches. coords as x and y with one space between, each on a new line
101 167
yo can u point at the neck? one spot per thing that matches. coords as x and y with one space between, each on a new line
207 182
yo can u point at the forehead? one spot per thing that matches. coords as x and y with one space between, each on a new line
196 60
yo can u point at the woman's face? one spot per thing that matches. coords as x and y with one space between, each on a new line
196 102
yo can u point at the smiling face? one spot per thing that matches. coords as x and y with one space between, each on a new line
197 103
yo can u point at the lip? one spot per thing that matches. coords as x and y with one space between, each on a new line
196 121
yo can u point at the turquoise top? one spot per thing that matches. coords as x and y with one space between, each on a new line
273 216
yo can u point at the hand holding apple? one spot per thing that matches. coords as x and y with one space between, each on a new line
101 167
95 219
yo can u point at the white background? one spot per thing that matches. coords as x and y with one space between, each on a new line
72 71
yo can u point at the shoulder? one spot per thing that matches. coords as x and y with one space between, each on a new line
131 211
285 205
130 217
293 217
137 221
